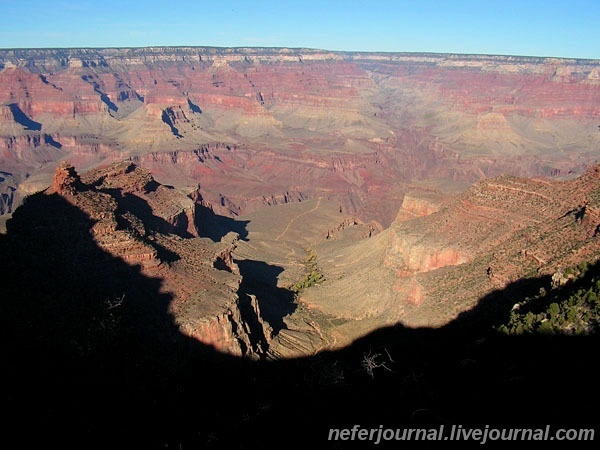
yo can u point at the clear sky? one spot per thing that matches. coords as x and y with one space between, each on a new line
569 28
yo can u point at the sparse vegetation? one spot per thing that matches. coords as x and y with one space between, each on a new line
372 361
313 274
571 308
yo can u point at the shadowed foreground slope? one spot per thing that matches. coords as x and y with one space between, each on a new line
92 358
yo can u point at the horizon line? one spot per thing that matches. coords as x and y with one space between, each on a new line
296 49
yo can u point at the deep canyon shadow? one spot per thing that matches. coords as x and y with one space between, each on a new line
22 119
93 359
215 227
260 279
92 355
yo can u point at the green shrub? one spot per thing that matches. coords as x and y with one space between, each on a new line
572 309
313 274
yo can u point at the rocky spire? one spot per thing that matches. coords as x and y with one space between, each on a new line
66 180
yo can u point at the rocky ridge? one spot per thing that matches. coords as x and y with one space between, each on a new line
151 226
427 270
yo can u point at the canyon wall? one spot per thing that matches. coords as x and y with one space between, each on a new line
261 126
135 219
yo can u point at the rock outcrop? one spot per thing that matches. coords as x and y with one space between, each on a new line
7 192
66 181
137 220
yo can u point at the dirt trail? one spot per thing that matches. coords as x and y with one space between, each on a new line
524 191
287 227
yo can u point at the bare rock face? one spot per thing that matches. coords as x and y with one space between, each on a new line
414 255
419 203
66 180
144 224
7 192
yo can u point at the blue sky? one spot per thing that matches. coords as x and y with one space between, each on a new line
536 28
